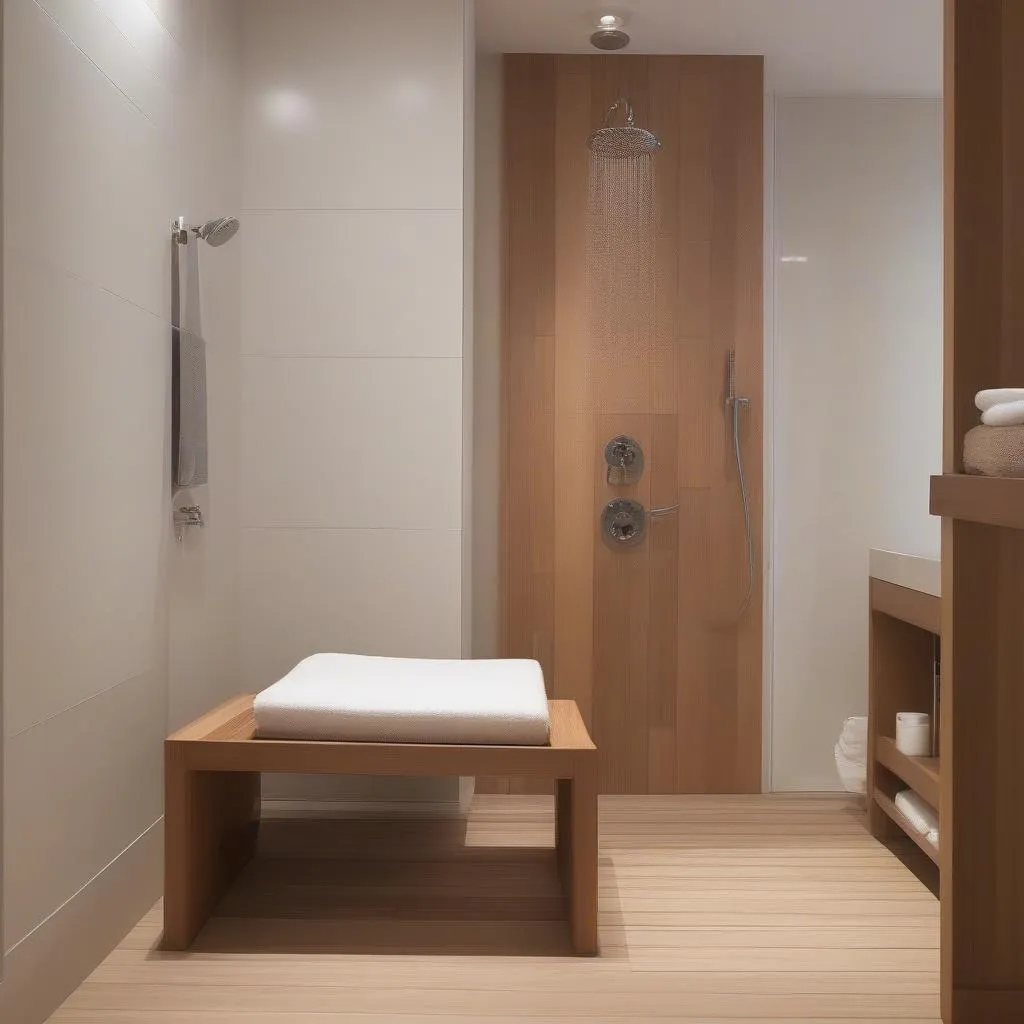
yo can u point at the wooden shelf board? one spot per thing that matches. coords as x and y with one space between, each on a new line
994 500
893 811
913 606
921 774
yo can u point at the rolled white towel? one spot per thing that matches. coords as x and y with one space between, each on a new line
853 740
1005 414
984 400
918 812
933 838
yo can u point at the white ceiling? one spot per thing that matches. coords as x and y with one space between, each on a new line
811 47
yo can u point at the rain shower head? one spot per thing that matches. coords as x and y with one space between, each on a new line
218 231
215 232
623 141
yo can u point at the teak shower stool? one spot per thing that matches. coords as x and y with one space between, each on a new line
212 802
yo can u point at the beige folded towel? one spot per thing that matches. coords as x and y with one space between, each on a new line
994 451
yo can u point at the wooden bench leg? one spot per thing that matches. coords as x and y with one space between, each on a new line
563 830
576 838
210 825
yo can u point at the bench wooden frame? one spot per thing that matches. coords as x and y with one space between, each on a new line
212 802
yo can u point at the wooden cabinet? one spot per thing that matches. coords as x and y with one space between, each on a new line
982 735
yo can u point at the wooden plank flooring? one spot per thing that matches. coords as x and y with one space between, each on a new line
740 909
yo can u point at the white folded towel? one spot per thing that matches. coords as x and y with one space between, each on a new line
984 400
1005 414
406 700
920 814
853 740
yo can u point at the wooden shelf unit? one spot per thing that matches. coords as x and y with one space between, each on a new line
921 774
905 624
883 803
994 501
982 784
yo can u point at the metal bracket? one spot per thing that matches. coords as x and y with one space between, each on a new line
187 516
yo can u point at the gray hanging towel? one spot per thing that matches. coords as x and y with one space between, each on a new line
188 398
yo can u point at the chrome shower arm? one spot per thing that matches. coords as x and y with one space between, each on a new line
630 116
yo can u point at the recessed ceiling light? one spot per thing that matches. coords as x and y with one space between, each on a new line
610 21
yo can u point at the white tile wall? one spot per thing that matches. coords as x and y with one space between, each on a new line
353 331
86 173
85 474
387 592
96 774
353 283
354 104
352 443
118 116
104 43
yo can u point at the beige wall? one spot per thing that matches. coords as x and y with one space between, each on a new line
117 117
352 457
857 396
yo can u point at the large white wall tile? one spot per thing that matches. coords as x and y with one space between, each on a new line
384 592
354 104
85 487
353 283
126 65
352 443
183 18
139 24
78 789
85 174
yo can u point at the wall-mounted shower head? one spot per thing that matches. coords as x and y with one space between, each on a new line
623 141
218 231
215 232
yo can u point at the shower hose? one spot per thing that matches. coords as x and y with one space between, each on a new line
736 404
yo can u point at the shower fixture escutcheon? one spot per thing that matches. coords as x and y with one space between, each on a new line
625 460
624 521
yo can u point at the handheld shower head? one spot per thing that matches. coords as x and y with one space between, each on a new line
218 231
623 141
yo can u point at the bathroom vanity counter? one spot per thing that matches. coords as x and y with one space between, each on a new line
910 571
905 621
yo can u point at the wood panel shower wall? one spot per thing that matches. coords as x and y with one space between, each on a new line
650 642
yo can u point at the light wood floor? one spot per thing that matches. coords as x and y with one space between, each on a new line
713 909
